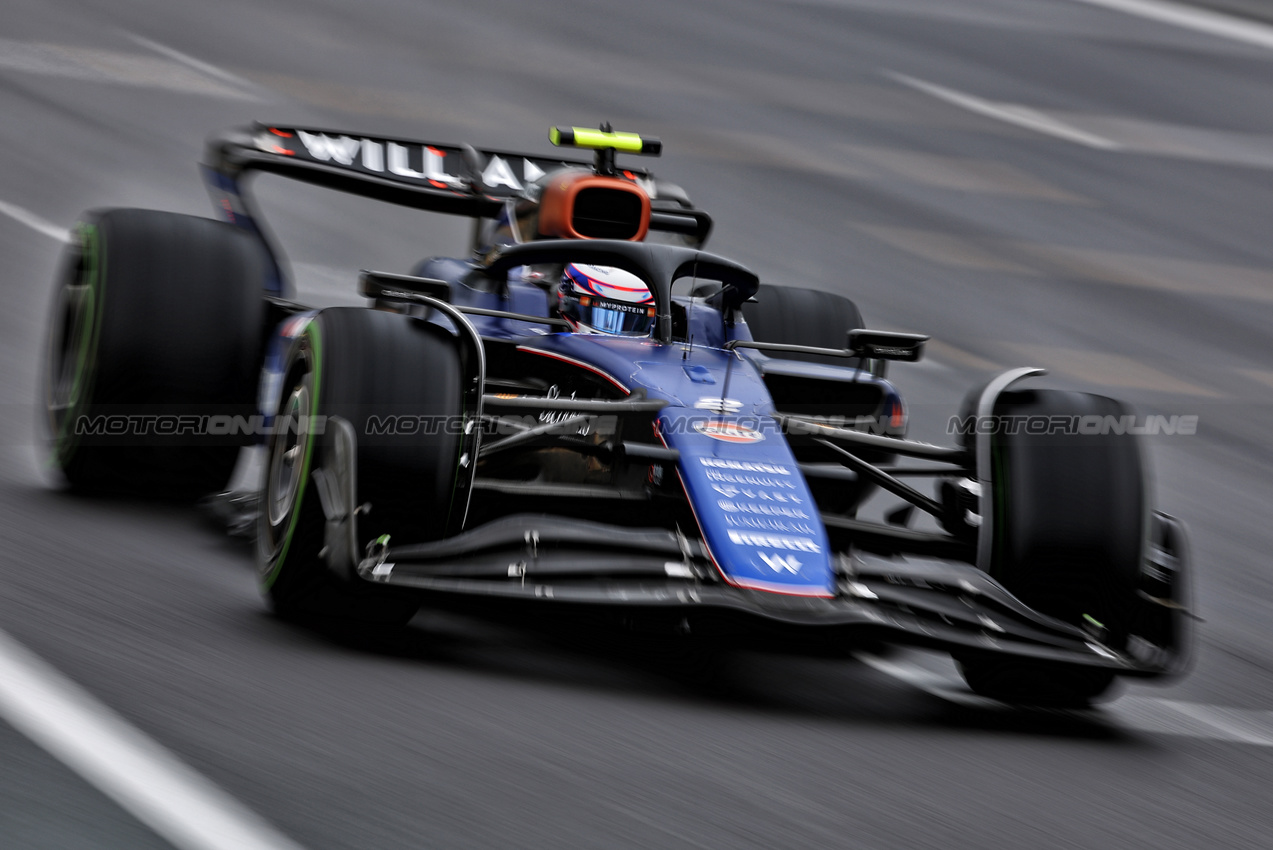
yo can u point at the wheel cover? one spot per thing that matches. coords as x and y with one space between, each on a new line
77 306
288 461
286 451
72 344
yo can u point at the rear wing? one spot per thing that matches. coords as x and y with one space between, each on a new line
456 179
445 178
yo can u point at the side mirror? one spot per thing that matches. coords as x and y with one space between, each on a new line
386 286
886 345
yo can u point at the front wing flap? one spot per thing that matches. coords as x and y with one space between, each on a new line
922 602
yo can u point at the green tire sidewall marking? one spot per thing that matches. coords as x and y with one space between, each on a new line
316 348
93 275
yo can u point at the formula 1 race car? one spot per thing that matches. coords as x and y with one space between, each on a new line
589 413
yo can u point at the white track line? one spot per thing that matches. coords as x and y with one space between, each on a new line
1189 17
189 61
1009 113
33 221
180 805
1233 725
1143 714
926 680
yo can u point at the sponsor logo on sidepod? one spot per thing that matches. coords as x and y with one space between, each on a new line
728 432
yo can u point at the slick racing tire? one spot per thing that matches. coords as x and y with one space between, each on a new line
366 367
1070 518
153 347
797 316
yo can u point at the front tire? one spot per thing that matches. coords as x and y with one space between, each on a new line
1070 519
368 368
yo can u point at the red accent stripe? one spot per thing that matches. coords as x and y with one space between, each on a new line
573 362
784 589
594 282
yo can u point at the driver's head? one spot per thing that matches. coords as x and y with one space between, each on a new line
603 299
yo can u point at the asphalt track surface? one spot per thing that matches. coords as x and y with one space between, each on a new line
1034 182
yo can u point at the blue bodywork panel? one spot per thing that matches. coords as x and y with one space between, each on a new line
757 517
753 506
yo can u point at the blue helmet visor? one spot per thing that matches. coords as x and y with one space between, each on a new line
616 317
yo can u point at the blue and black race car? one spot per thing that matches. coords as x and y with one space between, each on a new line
589 413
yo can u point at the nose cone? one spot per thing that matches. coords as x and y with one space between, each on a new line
757 517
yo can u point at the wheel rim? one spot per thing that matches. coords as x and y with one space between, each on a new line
286 450
71 346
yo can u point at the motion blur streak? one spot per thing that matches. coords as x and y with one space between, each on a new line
1022 116
1200 20
34 222
137 773
1141 276
186 59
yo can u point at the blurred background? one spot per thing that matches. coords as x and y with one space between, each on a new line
1083 185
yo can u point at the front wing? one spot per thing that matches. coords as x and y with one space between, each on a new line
551 561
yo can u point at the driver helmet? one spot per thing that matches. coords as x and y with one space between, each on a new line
603 299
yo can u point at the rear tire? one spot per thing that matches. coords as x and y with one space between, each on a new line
157 317
1069 522
363 366
795 315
